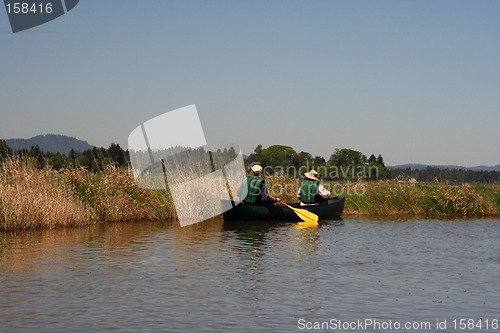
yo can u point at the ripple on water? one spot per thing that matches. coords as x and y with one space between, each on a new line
146 276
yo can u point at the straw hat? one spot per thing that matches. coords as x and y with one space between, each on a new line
312 175
256 168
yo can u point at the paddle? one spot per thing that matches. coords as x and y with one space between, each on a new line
304 215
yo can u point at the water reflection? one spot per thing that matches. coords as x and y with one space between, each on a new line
215 276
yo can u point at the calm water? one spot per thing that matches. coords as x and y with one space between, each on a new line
150 277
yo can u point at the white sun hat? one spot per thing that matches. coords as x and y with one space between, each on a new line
312 175
256 168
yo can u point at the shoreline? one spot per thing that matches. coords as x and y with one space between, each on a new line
172 220
32 198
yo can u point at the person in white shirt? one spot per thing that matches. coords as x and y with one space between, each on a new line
311 192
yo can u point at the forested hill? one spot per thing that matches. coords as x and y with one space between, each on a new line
52 143
443 167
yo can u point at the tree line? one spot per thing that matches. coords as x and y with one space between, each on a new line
454 176
95 159
349 164
343 164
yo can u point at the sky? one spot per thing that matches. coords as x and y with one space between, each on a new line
414 81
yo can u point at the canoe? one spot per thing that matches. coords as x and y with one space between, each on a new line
251 212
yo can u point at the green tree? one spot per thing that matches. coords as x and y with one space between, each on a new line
5 150
256 156
117 154
58 161
258 149
275 157
319 161
346 157
38 155
305 159
376 168
231 152
73 155
380 160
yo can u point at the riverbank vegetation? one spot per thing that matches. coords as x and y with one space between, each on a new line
45 198
429 199
392 197
98 185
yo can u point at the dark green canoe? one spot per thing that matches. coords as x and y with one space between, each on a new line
251 212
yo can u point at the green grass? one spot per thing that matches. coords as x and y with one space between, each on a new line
393 198
437 199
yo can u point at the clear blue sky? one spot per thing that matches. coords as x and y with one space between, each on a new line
414 81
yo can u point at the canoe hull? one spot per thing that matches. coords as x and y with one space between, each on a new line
249 212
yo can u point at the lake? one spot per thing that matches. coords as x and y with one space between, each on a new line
358 274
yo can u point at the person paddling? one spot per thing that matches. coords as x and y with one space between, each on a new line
253 190
311 192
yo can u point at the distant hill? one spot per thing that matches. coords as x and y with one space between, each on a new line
485 168
53 143
424 166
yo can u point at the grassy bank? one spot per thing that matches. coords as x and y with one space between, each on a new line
435 199
33 198
393 198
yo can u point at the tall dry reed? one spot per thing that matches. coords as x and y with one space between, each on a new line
32 198
283 187
197 198
45 198
112 195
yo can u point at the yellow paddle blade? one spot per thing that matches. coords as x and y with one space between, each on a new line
305 215
306 224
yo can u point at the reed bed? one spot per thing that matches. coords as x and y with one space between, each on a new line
112 195
44 198
32 198
200 198
200 183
